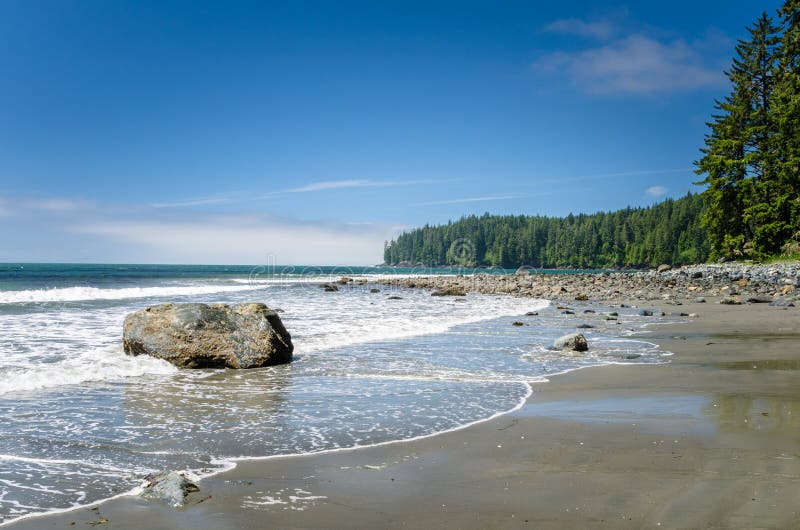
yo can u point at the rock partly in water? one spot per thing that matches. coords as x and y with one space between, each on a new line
573 341
374 291
394 298
169 487
450 291
209 335
329 287
517 323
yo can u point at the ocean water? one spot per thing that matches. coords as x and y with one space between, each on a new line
80 421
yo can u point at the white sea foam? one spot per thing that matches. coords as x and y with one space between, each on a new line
104 364
75 294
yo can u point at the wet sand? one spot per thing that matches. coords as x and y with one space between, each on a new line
710 440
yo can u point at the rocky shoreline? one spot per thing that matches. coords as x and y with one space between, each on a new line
725 283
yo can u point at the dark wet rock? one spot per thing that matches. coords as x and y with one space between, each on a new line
532 314
394 298
573 342
613 314
758 300
730 300
209 335
374 291
631 356
329 287
589 311
585 326
568 312
169 487
517 323
450 291
646 313
581 297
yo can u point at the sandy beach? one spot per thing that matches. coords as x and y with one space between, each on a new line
711 440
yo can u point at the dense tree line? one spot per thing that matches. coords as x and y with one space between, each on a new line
668 232
751 159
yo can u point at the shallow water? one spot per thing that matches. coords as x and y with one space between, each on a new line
80 421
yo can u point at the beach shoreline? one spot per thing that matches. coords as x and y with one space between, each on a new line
709 439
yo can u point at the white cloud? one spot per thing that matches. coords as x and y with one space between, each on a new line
656 191
599 29
243 239
361 183
56 204
331 185
199 201
638 63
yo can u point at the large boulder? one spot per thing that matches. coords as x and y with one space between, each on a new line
209 335
572 342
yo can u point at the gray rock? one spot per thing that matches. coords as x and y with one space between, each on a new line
573 341
758 300
450 291
699 300
664 268
169 487
209 335
730 300
781 303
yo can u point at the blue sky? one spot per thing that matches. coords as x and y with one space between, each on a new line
310 132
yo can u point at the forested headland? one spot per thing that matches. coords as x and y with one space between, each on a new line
668 232
750 208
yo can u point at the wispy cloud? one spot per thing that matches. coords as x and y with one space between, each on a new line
474 199
638 62
199 201
56 204
656 191
241 239
599 29
361 183
239 196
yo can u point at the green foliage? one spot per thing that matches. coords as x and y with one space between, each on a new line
751 158
668 232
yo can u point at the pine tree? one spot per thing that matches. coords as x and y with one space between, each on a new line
787 120
739 159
